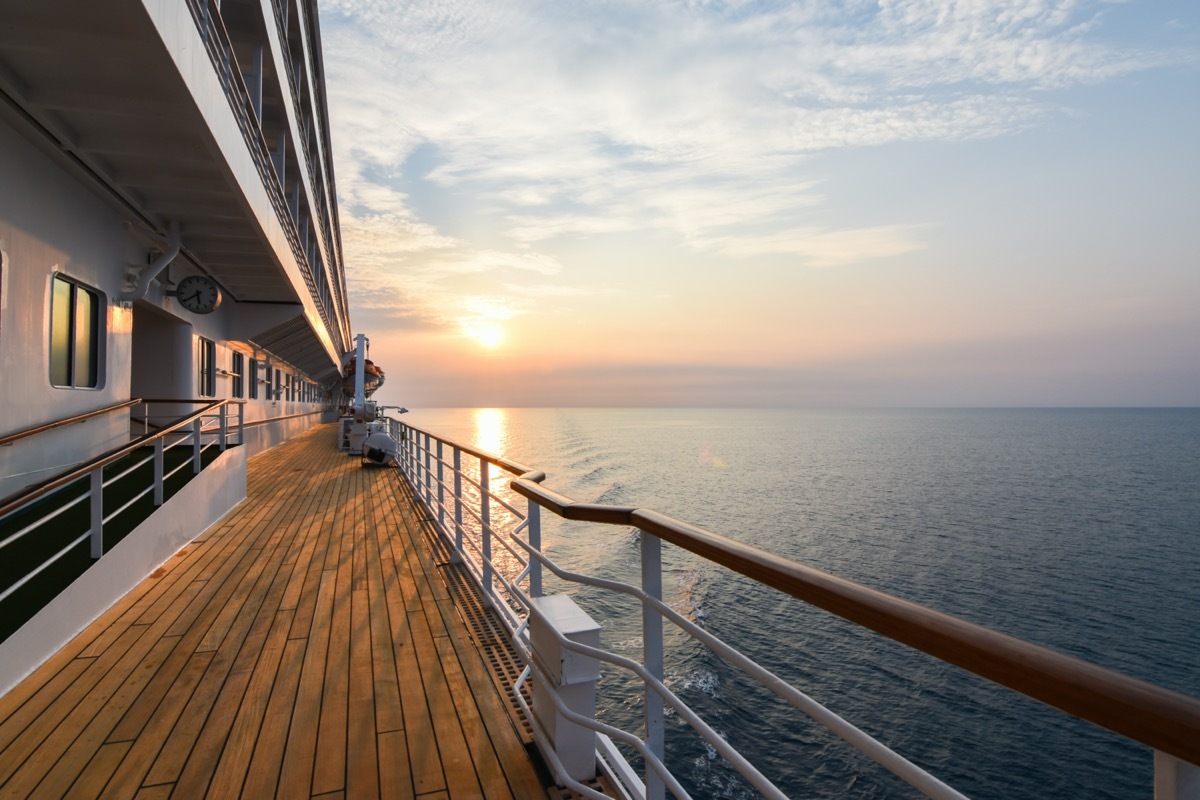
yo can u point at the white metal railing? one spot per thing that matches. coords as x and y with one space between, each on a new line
500 545
218 424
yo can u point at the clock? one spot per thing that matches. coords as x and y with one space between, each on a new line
198 294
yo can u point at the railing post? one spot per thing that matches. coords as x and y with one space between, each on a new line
158 471
534 518
569 675
224 418
485 524
652 658
397 432
441 489
197 426
428 470
410 444
97 506
145 418
1175 779
241 424
458 498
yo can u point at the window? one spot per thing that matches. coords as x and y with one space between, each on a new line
254 379
74 335
278 384
207 360
239 375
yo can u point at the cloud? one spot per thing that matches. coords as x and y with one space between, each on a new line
825 248
533 104
473 137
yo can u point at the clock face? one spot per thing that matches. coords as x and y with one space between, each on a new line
198 294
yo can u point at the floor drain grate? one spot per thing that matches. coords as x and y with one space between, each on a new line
489 632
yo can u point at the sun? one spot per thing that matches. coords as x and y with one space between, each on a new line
487 336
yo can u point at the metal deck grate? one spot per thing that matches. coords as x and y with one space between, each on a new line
488 631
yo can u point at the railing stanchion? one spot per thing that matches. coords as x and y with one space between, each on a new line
97 507
158 472
197 426
429 471
485 524
406 432
241 424
441 489
224 423
400 433
145 418
652 658
1175 779
534 516
458 509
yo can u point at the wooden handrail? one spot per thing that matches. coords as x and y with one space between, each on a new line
31 493
12 437
1159 718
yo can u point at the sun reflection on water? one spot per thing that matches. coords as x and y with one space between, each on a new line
491 430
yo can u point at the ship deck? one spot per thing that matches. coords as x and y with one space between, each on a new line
305 646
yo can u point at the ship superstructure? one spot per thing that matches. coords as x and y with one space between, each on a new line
169 226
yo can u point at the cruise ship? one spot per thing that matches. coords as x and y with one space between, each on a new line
220 575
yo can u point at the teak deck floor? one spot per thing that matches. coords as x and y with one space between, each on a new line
305 646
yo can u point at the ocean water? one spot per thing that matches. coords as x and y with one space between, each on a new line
1075 529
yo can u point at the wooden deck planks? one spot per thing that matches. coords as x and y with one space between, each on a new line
305 646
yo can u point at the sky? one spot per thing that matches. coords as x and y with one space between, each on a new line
706 203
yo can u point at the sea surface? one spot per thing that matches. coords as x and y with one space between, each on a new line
1075 529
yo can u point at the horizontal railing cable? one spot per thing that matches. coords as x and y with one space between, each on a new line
848 732
722 747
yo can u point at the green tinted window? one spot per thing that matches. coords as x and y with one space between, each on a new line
60 333
74 335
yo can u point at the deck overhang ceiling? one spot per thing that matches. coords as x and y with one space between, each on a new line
292 341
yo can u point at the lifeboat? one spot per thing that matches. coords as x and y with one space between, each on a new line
372 377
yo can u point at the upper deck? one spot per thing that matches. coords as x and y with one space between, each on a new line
307 645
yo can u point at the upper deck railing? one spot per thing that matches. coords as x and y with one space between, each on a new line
501 545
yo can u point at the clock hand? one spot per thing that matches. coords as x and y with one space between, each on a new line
196 296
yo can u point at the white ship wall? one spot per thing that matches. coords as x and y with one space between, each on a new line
49 224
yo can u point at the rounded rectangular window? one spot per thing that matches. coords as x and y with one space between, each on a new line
206 379
75 335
